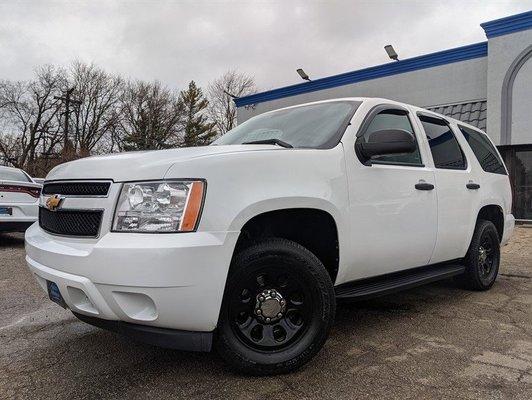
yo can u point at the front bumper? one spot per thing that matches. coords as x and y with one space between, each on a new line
173 281
169 338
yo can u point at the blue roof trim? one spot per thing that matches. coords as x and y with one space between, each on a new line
504 26
392 68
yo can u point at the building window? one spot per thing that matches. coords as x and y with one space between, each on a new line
484 151
446 151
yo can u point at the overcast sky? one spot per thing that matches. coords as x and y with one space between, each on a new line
177 41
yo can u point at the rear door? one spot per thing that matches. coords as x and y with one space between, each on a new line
393 217
457 183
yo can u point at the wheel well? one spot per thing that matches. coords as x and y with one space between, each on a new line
494 214
312 228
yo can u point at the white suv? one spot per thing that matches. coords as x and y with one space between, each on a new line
250 242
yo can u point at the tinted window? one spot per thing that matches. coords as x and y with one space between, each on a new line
12 174
314 126
444 147
484 151
392 119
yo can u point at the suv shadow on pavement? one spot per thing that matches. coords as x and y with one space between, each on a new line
11 240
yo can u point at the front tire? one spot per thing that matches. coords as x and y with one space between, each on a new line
278 308
483 257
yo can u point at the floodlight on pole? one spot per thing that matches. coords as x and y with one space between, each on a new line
391 52
303 74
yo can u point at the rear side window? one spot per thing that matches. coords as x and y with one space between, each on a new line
12 174
484 151
392 119
444 147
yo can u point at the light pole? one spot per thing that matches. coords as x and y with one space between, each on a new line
68 101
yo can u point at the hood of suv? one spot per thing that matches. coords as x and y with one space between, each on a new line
140 165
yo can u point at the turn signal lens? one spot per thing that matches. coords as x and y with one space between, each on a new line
193 207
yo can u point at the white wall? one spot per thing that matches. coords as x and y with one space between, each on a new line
521 122
451 83
502 52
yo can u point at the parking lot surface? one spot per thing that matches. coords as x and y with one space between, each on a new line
437 341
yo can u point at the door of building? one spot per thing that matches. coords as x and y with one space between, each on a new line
518 160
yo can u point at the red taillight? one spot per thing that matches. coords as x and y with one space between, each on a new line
33 192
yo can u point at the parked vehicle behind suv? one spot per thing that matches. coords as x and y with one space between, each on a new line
19 200
250 242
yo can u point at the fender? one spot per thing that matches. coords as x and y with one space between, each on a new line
285 203
485 202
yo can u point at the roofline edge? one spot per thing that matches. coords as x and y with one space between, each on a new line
463 53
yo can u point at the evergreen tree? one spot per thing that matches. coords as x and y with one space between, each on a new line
197 130
151 117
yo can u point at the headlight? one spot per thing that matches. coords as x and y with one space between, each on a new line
159 206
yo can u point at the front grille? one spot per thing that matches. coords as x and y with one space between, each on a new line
71 222
77 188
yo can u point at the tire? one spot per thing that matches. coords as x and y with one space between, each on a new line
254 340
483 258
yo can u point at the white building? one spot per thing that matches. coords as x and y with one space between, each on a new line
487 84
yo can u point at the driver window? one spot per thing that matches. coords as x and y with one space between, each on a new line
393 119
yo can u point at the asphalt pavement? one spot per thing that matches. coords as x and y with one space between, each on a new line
437 341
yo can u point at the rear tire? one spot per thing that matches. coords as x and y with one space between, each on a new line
278 308
483 258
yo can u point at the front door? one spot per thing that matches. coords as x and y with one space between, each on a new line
393 207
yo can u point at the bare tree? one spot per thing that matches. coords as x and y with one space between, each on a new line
29 115
221 109
152 117
110 115
96 116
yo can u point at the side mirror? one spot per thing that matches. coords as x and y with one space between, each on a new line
386 142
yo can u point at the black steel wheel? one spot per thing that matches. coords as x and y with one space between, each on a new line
270 308
483 257
486 256
278 308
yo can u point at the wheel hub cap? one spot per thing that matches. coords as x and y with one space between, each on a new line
482 255
270 306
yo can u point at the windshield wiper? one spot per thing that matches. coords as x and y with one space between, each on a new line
278 142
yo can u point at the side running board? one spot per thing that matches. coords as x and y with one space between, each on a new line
384 284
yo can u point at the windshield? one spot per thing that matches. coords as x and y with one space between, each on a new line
8 174
312 126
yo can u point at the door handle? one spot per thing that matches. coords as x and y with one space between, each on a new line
424 186
472 185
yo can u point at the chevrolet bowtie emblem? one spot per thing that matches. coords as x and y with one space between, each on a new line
54 202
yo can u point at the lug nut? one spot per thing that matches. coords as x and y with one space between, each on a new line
259 311
261 298
279 315
267 320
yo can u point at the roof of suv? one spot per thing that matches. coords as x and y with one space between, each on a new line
379 100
